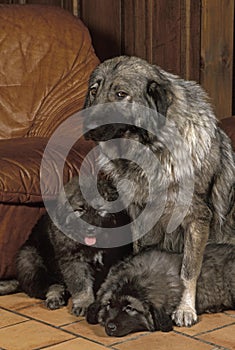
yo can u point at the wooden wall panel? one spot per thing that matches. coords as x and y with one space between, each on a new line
217 32
103 19
137 28
166 34
45 2
190 39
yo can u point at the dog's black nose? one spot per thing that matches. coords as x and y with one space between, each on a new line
111 326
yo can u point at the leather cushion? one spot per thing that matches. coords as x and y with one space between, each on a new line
46 61
20 161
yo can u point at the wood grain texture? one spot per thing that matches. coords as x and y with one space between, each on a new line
217 53
103 19
166 45
137 19
190 39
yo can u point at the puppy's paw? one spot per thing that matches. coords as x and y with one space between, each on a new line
55 302
184 316
56 297
78 311
81 302
92 313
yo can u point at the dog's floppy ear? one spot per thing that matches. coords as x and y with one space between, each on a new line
161 94
92 312
162 321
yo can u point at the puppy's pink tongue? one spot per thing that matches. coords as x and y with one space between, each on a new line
90 240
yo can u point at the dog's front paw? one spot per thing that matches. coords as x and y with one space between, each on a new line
55 297
92 312
55 302
81 302
184 316
78 311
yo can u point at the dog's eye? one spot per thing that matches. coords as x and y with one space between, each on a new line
130 310
93 90
121 95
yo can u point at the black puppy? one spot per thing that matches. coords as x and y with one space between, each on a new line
57 262
142 292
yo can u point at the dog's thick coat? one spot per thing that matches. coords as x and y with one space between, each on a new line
52 266
141 293
210 161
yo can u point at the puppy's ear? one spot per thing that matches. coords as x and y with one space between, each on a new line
92 312
162 321
161 94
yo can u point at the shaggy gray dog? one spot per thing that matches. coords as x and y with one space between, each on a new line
142 292
188 145
52 265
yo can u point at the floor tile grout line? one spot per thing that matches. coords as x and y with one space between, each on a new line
214 329
19 313
201 340
131 338
57 343
13 324
71 323
56 327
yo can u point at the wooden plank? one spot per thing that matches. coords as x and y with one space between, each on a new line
166 34
190 39
217 53
103 18
44 2
137 28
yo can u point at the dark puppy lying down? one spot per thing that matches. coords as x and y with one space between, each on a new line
142 292
52 265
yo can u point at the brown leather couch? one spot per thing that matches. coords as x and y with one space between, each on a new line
46 60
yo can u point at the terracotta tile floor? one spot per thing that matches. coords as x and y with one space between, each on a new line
25 324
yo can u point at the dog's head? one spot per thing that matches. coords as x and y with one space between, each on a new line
127 314
95 212
129 80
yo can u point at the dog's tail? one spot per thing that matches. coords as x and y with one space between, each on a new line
9 287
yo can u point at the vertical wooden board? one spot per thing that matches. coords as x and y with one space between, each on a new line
190 39
137 28
69 5
103 18
217 53
166 35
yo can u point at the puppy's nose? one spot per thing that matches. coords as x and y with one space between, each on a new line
111 326
91 229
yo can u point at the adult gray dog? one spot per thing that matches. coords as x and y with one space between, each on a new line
181 111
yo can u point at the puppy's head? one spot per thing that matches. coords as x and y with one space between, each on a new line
74 212
127 315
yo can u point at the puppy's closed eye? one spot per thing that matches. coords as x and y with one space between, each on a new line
130 310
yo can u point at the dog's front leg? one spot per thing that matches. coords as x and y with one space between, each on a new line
196 236
79 281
